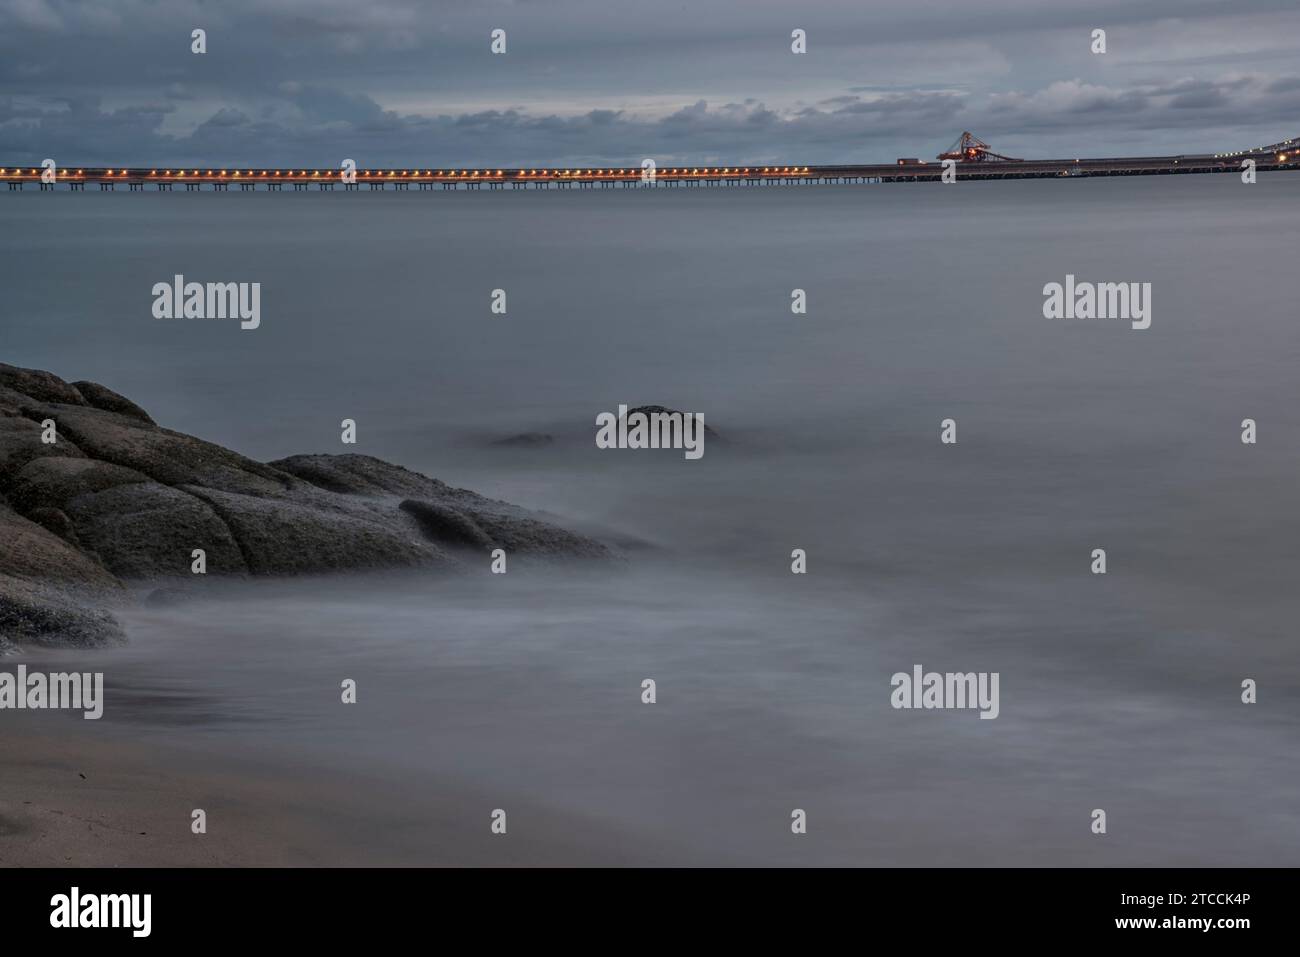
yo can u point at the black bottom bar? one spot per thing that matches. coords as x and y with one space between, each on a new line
331 907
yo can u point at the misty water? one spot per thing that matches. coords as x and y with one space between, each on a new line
1118 691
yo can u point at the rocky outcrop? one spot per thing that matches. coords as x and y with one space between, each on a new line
114 499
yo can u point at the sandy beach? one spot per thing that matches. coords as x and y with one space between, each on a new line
73 799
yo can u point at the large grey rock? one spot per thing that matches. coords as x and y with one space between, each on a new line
119 499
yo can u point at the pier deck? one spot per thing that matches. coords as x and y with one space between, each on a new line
1279 156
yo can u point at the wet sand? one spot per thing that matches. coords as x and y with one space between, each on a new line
76 799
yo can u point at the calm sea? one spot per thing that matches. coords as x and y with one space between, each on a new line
924 302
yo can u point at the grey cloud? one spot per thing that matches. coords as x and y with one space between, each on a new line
1285 84
1199 100
400 81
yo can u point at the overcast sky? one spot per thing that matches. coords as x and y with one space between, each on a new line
610 82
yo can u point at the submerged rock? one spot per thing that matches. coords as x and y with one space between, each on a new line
526 440
119 499
649 410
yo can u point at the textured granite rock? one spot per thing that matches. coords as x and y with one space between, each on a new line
118 499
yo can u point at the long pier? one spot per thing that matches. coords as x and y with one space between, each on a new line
1278 156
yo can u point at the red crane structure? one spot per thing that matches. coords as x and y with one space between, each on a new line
968 148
